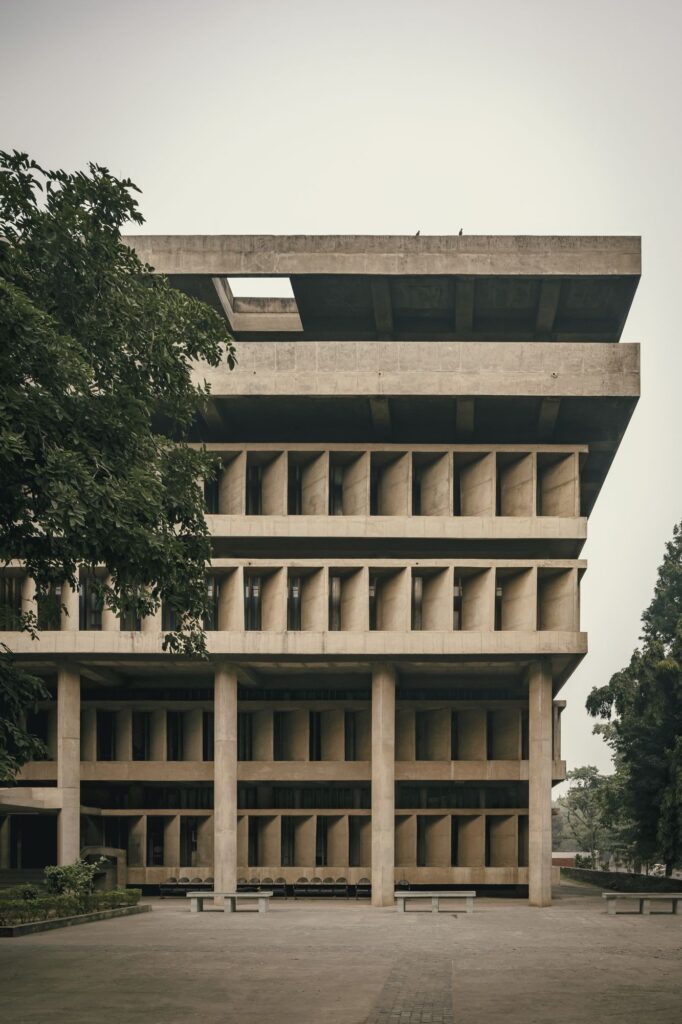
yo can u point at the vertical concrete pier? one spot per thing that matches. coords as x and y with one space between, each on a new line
225 779
68 764
383 785
540 785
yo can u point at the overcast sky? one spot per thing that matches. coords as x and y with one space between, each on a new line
525 117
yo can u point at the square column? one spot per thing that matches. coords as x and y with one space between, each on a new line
383 785
540 785
68 764
225 780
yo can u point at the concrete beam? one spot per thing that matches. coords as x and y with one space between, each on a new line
472 255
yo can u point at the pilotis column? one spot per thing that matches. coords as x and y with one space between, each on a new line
540 785
68 764
383 785
225 780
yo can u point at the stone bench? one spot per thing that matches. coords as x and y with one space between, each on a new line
435 898
197 898
644 898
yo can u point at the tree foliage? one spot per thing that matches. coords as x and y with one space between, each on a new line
640 712
96 398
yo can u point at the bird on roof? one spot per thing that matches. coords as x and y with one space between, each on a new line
461 231
418 234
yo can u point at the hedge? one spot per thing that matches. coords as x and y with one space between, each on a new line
621 881
23 911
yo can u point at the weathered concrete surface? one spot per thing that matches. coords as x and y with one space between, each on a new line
389 254
349 963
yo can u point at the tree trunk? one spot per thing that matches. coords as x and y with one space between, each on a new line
668 868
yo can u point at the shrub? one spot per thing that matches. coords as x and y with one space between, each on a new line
43 908
78 878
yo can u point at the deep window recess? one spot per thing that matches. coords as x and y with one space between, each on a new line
106 735
421 841
295 489
457 603
294 603
374 473
336 490
321 832
288 841
334 602
244 736
10 602
498 607
141 735
417 597
155 828
254 483
454 840
89 604
174 735
213 592
315 737
253 842
207 735
350 740
252 602
188 840
279 724
212 495
372 604
169 618
49 609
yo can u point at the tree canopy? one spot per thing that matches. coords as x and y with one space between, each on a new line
640 712
97 394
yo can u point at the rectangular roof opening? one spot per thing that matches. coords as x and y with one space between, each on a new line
261 287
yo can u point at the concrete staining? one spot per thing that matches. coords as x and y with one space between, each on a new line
408 453
350 964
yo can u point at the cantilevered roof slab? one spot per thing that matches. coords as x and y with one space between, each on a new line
439 288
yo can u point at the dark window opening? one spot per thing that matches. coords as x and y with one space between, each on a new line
253 850
244 736
141 735
254 489
50 608
321 835
295 490
417 599
288 842
315 736
335 602
106 735
279 737
10 602
210 619
155 830
174 735
207 736
350 736
336 490
212 495
374 474
252 603
294 603
498 607
457 603
372 604
421 841
454 841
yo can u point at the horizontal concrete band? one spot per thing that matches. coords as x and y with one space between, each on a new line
380 644
225 255
289 771
514 369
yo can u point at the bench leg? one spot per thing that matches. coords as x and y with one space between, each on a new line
230 905
263 904
434 904
675 902
470 905
401 906
611 907
645 906
196 906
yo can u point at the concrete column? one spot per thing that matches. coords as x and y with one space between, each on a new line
383 785
171 842
540 785
110 620
69 610
28 596
68 764
4 843
225 780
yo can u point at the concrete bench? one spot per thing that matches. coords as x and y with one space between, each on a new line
644 898
197 898
435 898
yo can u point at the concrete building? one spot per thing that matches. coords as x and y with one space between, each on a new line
410 449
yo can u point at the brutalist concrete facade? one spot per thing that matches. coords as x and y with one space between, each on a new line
409 451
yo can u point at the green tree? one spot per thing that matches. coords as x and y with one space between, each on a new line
582 809
640 712
97 396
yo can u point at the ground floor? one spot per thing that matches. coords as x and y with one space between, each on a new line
348 963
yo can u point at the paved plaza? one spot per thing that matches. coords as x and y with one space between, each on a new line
347 963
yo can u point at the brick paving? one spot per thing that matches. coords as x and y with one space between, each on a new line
415 993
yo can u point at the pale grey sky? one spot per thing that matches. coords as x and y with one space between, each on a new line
531 117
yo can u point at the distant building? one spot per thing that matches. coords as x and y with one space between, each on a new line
410 449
